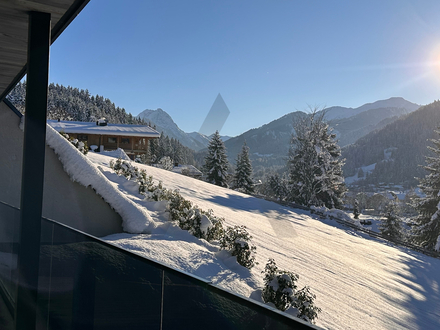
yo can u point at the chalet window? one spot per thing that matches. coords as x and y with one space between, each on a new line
82 137
125 140
111 140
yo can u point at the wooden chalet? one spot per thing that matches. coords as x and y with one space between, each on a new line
133 139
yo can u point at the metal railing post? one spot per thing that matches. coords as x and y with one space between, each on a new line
33 168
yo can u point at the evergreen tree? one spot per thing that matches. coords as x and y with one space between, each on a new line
153 146
356 211
243 172
426 231
277 187
391 226
315 167
216 162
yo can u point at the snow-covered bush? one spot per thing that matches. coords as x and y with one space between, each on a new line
80 145
305 305
142 159
145 182
279 286
280 289
237 240
215 230
158 193
200 223
166 163
130 172
179 206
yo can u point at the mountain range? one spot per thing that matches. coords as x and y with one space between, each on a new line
395 152
269 144
387 138
272 140
164 123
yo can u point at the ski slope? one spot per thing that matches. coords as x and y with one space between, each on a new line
360 282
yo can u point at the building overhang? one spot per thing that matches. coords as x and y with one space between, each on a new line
14 21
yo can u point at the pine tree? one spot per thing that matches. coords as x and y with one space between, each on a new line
315 167
153 146
426 231
243 172
356 212
216 162
391 226
277 186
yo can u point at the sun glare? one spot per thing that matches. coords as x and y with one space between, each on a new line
434 61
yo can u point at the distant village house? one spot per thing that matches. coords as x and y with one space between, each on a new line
133 139
188 170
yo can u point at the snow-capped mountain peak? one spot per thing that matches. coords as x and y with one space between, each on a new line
164 123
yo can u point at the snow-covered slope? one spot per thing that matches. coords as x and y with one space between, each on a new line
360 282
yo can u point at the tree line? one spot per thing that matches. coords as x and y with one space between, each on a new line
314 178
313 173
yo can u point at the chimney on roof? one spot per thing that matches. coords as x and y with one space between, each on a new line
101 122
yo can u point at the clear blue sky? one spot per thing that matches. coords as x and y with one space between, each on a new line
266 58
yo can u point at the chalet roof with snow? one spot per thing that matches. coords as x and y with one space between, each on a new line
79 127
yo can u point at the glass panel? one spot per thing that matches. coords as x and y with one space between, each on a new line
9 222
191 304
92 285
9 226
87 284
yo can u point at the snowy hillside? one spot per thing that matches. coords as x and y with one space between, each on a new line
360 282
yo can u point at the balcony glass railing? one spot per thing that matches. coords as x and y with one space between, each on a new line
85 283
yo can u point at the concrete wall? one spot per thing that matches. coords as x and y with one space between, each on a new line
64 201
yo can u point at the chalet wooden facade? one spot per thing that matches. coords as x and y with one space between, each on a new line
133 139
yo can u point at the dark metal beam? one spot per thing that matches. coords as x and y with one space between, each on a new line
33 168
75 8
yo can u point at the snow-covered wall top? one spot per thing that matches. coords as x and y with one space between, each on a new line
136 219
79 127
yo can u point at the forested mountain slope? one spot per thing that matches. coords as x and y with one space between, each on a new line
397 149
269 144
349 130
68 103
164 123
